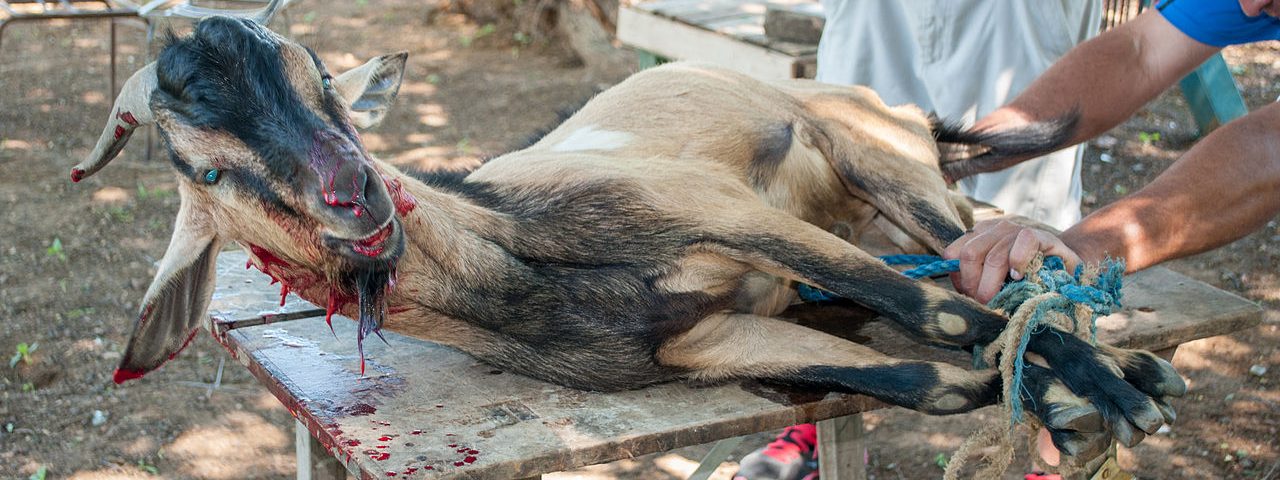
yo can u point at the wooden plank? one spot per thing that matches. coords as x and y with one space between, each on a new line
1163 309
842 446
663 37
421 405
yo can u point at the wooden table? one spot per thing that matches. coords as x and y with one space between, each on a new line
426 411
729 33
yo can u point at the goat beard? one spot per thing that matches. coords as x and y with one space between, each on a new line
372 285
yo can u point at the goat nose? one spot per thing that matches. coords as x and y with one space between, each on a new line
343 176
346 188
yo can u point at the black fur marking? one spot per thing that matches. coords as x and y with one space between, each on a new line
576 301
228 75
771 149
906 384
933 221
1145 372
872 285
1075 363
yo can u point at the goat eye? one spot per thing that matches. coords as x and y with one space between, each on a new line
327 81
211 176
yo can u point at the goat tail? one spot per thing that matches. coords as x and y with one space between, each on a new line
966 151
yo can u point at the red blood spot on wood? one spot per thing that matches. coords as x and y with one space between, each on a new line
392 474
453 445
119 132
428 467
381 446
352 443
473 452
458 464
384 438
469 459
416 432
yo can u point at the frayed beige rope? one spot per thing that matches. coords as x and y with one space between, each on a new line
994 443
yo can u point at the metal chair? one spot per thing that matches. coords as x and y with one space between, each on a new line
14 11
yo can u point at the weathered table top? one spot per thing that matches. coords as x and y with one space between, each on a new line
427 411
726 32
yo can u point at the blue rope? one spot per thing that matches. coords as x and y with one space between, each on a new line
1102 296
928 266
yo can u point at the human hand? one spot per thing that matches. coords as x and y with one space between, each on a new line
997 248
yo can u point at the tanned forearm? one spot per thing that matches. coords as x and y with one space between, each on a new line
1226 186
1106 78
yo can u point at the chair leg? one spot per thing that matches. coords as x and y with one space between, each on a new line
112 94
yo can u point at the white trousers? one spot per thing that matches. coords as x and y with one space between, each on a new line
963 59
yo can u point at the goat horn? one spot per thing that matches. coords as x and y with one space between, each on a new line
263 17
131 110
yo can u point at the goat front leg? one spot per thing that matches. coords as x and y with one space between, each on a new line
745 346
1127 386
781 245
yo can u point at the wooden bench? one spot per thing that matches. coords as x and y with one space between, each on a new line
426 411
732 33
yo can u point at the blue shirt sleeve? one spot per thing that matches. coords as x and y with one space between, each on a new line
1218 22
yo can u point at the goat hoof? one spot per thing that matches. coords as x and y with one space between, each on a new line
1081 445
1080 418
1170 415
1127 435
1148 418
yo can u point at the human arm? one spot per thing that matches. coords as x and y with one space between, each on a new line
1104 79
1224 187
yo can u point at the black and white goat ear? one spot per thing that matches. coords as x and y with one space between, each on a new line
177 300
371 88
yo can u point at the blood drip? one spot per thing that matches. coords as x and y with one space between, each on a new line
403 201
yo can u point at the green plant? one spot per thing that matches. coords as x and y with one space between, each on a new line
481 32
22 353
55 250
80 312
40 474
941 461
144 193
147 467
120 214
28 387
1148 138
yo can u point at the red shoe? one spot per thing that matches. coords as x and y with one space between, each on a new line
792 456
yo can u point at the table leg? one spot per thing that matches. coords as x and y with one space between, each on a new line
842 448
314 463
715 457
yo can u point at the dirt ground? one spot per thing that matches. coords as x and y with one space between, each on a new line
76 258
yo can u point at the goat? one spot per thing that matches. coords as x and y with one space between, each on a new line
653 236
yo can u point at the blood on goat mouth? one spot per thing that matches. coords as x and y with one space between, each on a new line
372 245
